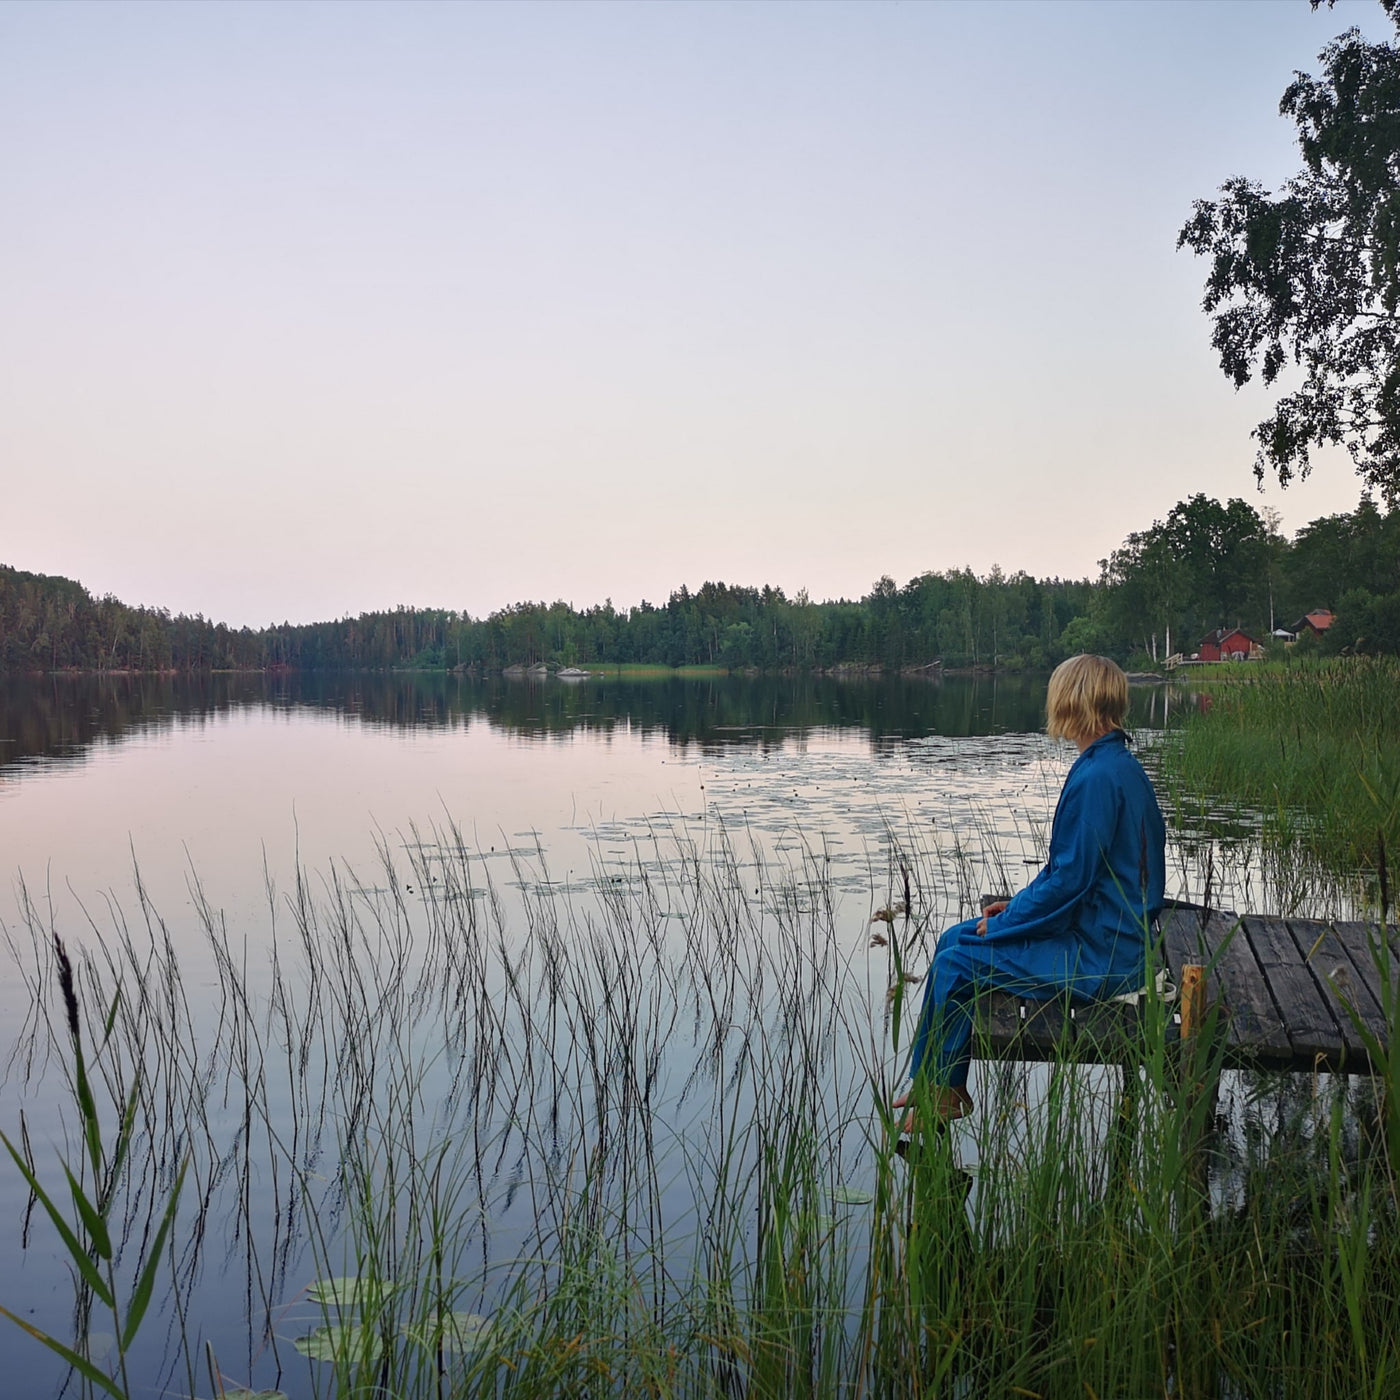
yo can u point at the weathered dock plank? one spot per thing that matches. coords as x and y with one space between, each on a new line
1282 988
1317 948
1048 1024
1021 1028
1305 1003
1358 979
1235 982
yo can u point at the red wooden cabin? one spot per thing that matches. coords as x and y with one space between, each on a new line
1229 644
1316 622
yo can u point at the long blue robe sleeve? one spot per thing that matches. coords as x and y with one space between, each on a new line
1105 877
1083 828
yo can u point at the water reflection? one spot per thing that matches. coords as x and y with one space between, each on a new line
659 910
62 717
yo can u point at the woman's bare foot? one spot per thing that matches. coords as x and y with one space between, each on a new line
948 1105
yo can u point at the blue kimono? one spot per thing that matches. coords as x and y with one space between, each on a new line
1080 926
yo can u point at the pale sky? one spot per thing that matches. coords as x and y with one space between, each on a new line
309 309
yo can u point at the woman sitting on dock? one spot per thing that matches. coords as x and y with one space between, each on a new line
1081 925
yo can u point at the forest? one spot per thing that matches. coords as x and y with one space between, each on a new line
1207 564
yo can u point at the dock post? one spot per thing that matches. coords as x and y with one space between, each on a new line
1197 1361
1197 1080
1193 1000
1198 1083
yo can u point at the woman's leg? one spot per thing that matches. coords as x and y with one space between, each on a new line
945 976
949 1091
964 967
958 974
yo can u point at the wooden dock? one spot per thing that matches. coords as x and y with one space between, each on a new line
1282 989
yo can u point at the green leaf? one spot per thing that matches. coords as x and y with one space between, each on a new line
849 1196
92 1129
342 1342
123 1137
80 1364
91 1217
141 1294
346 1292
111 1020
82 1260
457 1332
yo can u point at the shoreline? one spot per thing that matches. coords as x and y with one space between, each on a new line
626 670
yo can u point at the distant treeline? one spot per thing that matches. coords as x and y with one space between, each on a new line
1206 565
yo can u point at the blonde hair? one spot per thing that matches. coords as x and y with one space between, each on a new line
1088 696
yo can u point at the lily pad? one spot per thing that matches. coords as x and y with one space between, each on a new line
460 1332
341 1341
345 1292
850 1196
97 1346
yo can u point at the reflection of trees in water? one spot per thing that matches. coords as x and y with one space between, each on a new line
64 716
763 711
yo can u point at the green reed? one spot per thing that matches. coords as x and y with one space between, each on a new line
1313 750
90 1241
478 1139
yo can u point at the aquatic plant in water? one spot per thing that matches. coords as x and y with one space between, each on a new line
1306 755
89 1236
475 1140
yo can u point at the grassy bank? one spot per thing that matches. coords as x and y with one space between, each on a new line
1313 748
459 1138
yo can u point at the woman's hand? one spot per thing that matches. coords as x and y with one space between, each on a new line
995 907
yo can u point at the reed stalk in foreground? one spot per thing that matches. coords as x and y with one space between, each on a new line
88 1236
519 1143
1312 753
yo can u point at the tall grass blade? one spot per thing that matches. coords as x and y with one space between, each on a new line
145 1283
80 1364
77 1252
91 1217
111 1021
124 1135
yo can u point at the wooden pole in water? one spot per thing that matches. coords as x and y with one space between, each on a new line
1197 1108
1197 1096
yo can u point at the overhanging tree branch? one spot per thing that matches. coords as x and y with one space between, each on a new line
1311 276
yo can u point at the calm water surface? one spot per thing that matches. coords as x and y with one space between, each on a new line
219 776
220 791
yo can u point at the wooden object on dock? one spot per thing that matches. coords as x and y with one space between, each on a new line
1193 1000
1283 988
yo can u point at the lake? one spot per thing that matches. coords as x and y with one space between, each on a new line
570 942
